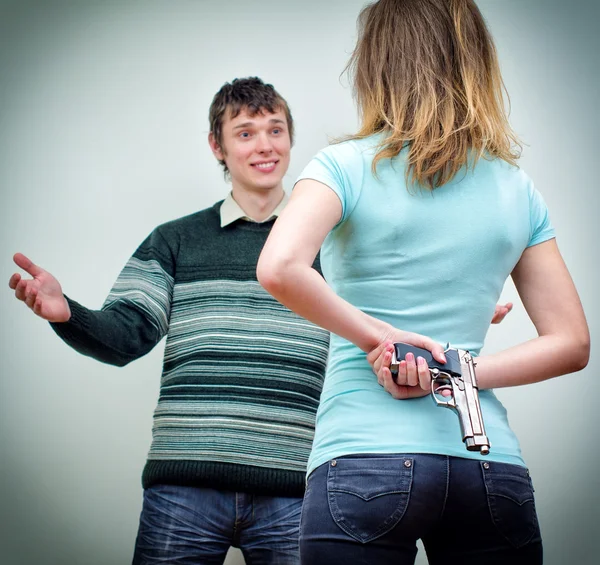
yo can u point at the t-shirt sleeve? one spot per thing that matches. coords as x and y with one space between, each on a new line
541 228
341 168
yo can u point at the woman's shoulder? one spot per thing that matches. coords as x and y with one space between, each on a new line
503 172
351 148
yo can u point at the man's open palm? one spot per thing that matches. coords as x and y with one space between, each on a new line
43 293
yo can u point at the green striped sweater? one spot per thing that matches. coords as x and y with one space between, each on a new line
242 375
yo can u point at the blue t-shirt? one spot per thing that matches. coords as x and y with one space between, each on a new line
431 262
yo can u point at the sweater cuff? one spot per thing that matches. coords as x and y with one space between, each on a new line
79 320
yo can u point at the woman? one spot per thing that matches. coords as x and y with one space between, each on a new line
421 216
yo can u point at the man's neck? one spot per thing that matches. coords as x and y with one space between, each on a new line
258 205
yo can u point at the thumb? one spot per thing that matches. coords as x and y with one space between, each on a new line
27 265
436 349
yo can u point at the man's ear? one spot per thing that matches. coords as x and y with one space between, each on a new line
215 147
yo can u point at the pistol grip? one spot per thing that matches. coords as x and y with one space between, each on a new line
452 365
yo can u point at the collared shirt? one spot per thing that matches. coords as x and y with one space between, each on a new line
231 211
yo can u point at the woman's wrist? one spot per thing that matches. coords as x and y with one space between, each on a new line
379 332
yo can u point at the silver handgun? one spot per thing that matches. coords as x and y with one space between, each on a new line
456 378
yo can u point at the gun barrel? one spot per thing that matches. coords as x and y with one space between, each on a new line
476 438
479 443
459 372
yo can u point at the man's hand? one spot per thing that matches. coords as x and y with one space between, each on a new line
501 311
43 293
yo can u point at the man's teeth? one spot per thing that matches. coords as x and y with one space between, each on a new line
265 165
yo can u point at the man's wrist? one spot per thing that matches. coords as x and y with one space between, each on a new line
68 310
66 315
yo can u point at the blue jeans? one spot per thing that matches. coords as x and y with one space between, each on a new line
374 508
196 526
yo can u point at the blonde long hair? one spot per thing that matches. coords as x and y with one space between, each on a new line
426 74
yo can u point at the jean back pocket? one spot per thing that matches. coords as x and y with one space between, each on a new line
511 503
368 495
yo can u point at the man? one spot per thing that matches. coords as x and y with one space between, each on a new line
242 374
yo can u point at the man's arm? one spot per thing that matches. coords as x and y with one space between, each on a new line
131 322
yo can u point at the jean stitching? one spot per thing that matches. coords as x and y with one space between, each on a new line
303 511
350 529
386 526
236 520
369 498
447 486
496 519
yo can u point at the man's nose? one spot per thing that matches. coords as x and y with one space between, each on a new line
263 143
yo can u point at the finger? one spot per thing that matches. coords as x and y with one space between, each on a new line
402 376
389 385
495 314
415 392
384 358
501 311
31 297
427 343
412 376
498 315
37 307
402 392
377 363
436 349
397 391
379 373
423 374
377 352
446 393
14 281
21 289
27 265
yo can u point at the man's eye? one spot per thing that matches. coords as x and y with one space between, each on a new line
276 131
244 134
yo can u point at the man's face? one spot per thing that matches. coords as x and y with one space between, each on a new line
256 150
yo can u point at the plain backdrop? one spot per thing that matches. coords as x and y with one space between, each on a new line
103 127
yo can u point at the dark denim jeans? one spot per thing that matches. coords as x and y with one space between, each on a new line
196 526
372 509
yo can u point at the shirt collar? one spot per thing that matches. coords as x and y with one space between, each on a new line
231 211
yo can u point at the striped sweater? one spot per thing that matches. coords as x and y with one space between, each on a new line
242 375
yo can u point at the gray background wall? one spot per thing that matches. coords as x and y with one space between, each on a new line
103 124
